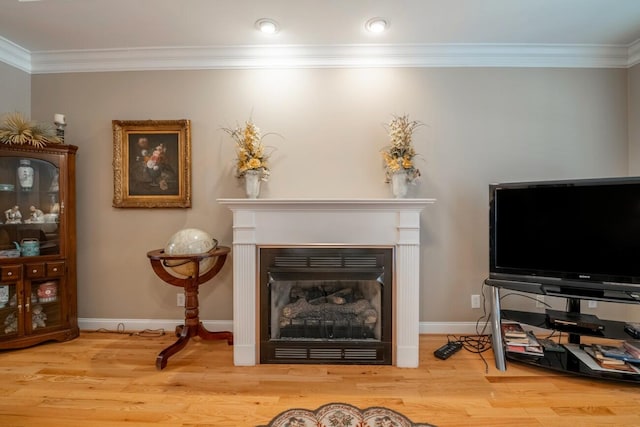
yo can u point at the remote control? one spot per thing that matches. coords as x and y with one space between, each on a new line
447 350
633 329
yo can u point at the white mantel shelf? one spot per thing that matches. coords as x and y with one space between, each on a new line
306 221
385 204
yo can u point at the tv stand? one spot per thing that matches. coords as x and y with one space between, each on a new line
563 362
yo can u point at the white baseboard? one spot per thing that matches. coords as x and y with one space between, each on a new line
454 328
133 325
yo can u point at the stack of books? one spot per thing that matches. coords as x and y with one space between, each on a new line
621 358
626 353
632 347
519 341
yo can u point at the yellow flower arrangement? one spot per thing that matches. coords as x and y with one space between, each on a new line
398 157
251 153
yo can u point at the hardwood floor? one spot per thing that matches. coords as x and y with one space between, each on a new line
110 379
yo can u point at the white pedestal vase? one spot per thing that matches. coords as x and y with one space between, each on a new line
252 183
399 184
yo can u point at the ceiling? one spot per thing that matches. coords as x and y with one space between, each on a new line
83 35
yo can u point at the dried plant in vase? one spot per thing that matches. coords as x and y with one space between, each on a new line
250 151
16 129
399 156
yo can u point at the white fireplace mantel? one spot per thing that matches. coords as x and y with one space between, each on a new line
355 222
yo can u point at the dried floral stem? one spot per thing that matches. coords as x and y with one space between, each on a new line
16 129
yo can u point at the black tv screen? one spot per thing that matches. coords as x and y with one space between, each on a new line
576 234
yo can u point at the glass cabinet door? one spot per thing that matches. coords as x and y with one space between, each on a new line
10 311
45 307
29 207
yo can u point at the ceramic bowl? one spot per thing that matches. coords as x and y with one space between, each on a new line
10 253
51 217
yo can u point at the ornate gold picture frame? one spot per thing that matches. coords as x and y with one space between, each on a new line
151 163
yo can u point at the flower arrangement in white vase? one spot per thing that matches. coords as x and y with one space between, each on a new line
252 157
400 168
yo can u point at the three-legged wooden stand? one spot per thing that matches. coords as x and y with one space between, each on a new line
192 325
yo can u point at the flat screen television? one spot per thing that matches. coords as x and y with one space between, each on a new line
577 238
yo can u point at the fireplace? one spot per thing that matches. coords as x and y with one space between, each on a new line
390 223
325 305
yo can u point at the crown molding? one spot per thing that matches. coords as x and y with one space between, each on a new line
14 55
319 56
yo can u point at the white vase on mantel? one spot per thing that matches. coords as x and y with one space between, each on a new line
399 184
252 183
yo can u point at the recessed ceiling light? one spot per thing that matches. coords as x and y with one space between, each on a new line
376 25
267 26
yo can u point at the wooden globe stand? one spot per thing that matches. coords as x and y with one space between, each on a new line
192 325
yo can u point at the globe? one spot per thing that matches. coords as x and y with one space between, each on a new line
190 241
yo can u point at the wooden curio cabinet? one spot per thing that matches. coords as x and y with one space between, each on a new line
38 299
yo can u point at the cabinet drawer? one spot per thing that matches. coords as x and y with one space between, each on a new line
55 269
10 273
34 271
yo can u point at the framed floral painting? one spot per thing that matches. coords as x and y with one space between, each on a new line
151 163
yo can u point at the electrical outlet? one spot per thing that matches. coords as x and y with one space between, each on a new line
475 301
540 301
180 299
592 304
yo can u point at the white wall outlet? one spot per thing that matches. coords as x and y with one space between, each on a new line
592 304
540 301
180 299
475 301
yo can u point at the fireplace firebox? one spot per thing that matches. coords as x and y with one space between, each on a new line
326 305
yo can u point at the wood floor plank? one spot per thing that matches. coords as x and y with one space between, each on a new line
110 379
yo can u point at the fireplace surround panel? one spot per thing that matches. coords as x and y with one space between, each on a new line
327 222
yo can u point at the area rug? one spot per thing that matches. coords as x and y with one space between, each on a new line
342 415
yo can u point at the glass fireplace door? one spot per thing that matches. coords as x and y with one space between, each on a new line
329 305
326 309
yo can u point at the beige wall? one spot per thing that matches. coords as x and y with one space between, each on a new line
634 120
482 125
15 90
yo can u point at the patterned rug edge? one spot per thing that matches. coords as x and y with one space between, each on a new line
342 415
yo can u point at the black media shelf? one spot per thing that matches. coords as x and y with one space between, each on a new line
558 361
567 362
612 329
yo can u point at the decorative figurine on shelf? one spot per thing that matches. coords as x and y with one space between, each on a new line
11 323
4 295
54 187
54 206
36 216
38 317
13 215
